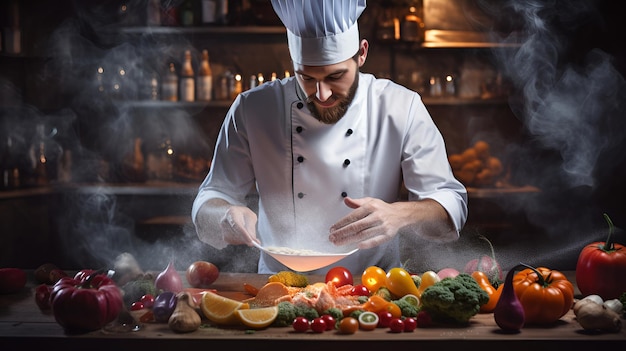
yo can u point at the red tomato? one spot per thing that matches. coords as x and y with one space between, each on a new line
359 290
330 321
318 325
348 325
410 324
384 319
97 297
300 324
42 296
396 325
137 305
601 269
201 274
147 300
340 276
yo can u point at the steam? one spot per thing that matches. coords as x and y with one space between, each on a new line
567 105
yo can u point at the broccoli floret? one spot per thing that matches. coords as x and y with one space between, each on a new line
417 280
306 311
289 278
356 313
407 308
287 312
384 292
362 299
335 312
454 300
135 289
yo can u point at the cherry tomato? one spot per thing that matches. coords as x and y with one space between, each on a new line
348 325
410 324
373 278
318 325
136 306
396 325
300 324
340 276
384 319
359 290
330 321
147 300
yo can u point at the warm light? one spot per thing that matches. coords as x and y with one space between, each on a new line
260 78
287 74
449 78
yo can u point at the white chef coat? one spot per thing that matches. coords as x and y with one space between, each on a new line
302 168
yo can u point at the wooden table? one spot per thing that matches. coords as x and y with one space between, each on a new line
23 325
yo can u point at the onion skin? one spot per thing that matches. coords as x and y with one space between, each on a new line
509 312
169 280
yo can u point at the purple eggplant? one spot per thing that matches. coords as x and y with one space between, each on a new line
164 305
509 312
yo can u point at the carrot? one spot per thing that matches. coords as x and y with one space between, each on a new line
250 289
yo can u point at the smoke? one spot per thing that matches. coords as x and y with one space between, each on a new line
567 104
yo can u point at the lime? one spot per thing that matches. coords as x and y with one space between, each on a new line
368 320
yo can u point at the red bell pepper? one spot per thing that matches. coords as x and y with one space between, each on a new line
601 268
86 304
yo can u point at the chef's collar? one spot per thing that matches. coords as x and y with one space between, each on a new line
320 32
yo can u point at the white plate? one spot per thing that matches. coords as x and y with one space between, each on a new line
306 262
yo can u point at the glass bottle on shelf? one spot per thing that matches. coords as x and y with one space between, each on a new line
169 86
186 11
412 23
209 12
204 83
160 160
43 157
187 79
9 165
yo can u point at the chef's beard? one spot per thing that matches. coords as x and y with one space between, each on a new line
330 115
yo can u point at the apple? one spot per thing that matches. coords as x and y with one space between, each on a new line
201 274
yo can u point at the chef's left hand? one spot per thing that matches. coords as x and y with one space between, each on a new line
372 223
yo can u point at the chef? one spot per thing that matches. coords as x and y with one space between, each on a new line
327 152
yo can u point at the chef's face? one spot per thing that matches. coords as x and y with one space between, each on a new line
330 89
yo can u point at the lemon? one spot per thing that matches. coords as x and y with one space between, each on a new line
257 318
221 310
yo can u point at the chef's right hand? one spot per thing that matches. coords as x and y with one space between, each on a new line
238 226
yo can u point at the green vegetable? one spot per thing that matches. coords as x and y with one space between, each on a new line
362 299
356 313
384 293
407 308
135 289
335 312
288 311
454 300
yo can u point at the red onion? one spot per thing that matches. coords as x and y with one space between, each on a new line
169 280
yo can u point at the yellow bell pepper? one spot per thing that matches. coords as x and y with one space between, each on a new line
428 278
400 283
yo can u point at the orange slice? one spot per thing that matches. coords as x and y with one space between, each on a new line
257 318
221 310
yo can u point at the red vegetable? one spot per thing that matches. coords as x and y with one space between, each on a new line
12 280
340 276
601 268
486 264
86 305
201 274
169 280
42 296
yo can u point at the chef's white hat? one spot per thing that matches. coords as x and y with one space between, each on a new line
320 32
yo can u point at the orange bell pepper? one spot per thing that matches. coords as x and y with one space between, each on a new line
494 293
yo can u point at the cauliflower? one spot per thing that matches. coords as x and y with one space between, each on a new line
454 300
